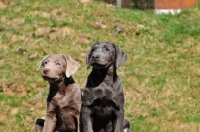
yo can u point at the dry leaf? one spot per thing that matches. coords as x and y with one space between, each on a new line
21 51
65 31
59 33
85 1
14 111
33 56
139 26
41 31
53 17
85 40
53 34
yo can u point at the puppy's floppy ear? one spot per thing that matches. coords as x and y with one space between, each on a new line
72 66
40 63
88 62
120 56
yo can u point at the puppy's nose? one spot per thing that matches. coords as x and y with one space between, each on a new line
95 56
46 70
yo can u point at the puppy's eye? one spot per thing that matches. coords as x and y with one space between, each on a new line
44 63
107 49
57 63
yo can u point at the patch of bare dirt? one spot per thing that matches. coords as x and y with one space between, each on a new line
2 5
20 91
2 117
198 47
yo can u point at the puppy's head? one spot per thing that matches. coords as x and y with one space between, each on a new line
57 66
105 54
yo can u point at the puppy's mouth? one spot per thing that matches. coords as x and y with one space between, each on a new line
100 65
49 78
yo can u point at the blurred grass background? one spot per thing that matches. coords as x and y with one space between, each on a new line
160 79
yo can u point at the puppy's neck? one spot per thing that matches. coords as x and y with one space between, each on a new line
61 85
100 75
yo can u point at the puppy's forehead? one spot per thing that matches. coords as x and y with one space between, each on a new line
55 57
103 44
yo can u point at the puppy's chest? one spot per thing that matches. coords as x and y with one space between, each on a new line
103 108
62 100
103 102
103 91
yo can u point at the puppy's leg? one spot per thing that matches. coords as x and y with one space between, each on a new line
39 125
78 123
50 122
118 122
70 123
126 125
86 119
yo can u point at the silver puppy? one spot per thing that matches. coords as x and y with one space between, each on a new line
64 98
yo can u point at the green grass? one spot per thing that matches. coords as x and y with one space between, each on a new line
160 79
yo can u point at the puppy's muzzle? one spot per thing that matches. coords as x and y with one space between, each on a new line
95 57
46 70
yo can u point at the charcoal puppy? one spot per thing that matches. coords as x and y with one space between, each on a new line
64 98
103 99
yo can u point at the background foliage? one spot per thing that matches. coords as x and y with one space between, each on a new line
160 79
